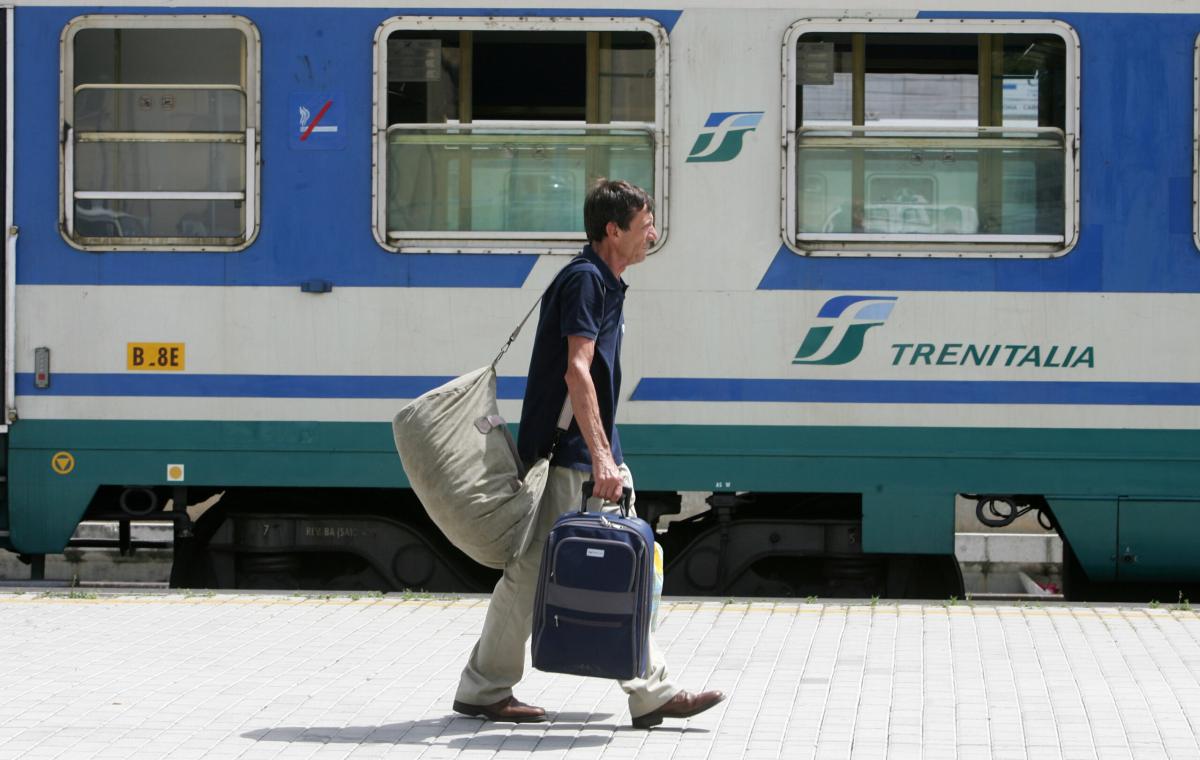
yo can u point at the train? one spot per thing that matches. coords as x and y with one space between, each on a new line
909 253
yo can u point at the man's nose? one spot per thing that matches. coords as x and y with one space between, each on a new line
653 236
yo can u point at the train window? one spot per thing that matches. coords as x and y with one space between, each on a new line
160 117
931 138
489 130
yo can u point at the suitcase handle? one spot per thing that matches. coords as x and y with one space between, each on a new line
626 495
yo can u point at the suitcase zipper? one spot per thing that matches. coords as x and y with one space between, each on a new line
589 623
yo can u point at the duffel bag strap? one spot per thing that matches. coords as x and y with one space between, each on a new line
516 332
560 427
528 314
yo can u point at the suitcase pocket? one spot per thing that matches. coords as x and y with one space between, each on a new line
601 648
594 564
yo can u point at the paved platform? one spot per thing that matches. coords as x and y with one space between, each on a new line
261 676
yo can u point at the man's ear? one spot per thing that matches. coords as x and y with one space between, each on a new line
611 229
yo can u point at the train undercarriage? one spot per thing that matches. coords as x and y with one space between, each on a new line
734 545
739 544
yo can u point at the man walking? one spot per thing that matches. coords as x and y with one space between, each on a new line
576 353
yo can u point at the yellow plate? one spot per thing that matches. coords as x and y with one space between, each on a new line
154 357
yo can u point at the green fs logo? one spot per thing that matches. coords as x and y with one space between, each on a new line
721 138
838 339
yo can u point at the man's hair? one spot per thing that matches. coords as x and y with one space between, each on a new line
612 201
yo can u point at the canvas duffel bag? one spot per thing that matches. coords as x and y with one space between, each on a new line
463 465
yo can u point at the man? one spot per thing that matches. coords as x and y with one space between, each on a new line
576 352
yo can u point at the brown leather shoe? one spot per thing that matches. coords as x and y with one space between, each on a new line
507 710
682 705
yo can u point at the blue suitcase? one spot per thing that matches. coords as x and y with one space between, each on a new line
592 611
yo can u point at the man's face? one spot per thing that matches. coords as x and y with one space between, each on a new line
633 243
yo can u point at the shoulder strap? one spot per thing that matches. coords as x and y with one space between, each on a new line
560 427
517 331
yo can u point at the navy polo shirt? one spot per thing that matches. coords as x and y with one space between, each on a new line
585 299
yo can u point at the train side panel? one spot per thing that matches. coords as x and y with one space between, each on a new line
750 368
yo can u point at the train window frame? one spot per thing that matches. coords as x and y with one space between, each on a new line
442 241
250 136
906 245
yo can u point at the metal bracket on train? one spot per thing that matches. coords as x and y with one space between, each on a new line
651 506
724 504
140 504
125 543
1001 510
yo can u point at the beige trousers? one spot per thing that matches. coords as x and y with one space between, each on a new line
498 660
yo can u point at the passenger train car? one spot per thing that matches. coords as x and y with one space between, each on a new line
909 252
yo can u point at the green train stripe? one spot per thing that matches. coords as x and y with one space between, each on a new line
907 477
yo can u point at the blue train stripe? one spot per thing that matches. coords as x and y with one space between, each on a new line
248 386
648 389
916 391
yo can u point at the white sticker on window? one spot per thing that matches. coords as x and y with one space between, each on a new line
595 552
816 62
414 60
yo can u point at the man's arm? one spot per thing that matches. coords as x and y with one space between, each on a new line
582 391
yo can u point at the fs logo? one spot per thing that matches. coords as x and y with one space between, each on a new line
721 138
839 339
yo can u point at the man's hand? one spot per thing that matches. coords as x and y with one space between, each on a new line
608 480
